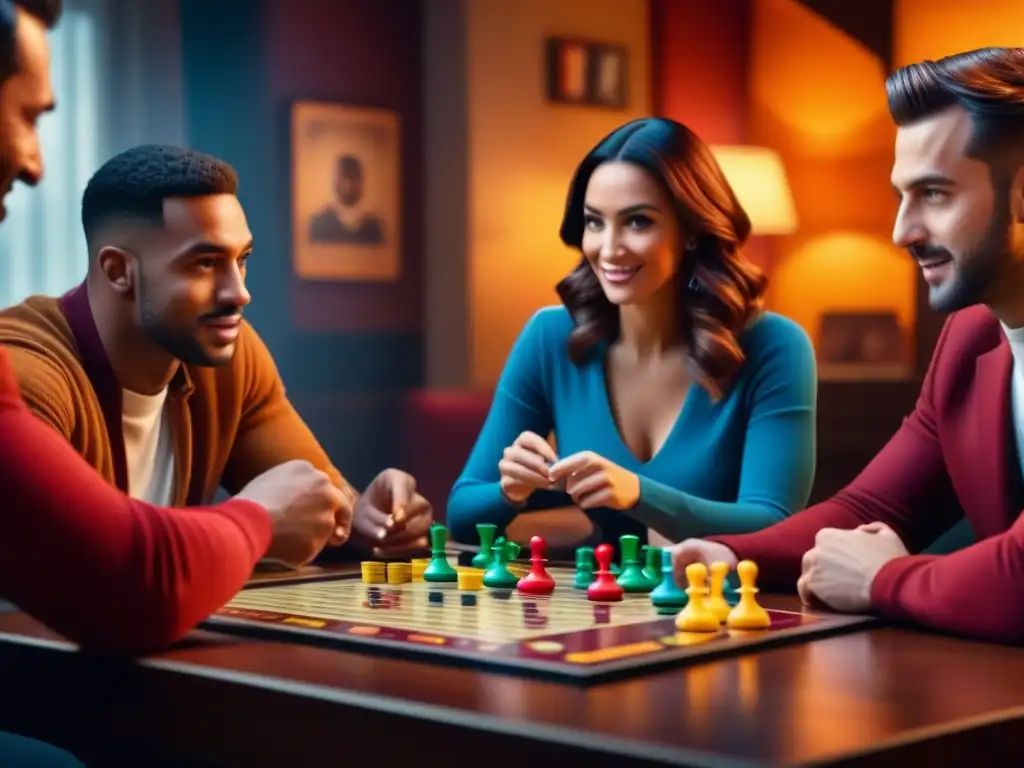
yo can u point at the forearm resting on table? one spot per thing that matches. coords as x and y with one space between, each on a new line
121 574
977 591
677 515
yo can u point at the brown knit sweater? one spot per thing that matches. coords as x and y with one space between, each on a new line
231 423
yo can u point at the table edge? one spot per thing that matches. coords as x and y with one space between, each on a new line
529 730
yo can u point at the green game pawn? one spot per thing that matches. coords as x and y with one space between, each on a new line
632 578
487 533
439 569
667 597
652 568
585 565
498 575
512 551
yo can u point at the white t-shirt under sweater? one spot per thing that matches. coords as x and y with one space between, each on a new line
1016 339
149 447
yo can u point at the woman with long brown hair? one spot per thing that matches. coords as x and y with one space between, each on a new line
676 401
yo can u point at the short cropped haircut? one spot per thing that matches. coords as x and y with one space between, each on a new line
131 187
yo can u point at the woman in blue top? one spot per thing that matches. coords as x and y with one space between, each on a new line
677 403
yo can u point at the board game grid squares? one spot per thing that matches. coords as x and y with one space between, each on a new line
499 616
564 635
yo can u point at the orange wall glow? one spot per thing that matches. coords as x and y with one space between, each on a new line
818 97
522 153
929 29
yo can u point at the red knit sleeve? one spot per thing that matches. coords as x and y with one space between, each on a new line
106 571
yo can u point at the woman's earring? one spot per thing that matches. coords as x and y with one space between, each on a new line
691 245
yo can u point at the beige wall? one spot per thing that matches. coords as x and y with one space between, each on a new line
519 154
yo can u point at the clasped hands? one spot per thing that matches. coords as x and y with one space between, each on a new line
530 464
836 572
840 568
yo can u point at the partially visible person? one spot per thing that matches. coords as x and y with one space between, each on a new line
108 572
959 174
676 401
120 574
150 371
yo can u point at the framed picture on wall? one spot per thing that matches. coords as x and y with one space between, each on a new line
587 73
346 192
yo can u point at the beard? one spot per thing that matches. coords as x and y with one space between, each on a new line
182 344
975 272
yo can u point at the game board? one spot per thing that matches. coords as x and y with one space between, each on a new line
562 636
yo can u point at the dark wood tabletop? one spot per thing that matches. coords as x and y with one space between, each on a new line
881 696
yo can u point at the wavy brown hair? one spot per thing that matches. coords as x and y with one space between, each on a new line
719 289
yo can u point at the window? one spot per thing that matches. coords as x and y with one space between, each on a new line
116 68
41 241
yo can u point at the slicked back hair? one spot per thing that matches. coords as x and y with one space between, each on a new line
988 83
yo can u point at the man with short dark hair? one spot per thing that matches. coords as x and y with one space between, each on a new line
107 571
959 174
148 368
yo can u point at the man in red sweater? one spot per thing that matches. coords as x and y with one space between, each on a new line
119 574
959 175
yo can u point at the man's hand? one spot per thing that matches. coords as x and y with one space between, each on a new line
839 570
391 518
303 506
691 551
594 481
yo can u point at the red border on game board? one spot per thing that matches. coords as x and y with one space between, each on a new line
586 655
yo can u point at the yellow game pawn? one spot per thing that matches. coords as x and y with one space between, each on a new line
716 600
748 614
696 617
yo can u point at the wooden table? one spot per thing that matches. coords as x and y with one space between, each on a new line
882 696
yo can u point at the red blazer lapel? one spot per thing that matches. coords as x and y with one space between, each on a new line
990 444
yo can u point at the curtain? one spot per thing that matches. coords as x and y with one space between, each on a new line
116 72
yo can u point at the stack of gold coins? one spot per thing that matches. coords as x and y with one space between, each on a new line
419 565
374 572
399 573
471 578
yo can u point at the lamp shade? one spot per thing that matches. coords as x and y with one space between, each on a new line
759 181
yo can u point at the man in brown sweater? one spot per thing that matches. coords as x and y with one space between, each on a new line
149 370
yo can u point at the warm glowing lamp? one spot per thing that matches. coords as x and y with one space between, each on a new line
759 181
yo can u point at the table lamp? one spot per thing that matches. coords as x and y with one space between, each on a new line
759 180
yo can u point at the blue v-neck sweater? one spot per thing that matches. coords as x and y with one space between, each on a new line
734 466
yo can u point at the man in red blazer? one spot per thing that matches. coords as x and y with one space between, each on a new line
959 175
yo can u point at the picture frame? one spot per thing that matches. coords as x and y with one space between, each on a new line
346 192
586 72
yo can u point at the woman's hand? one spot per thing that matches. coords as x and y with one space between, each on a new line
593 481
524 467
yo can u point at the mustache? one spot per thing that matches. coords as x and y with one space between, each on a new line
221 312
929 252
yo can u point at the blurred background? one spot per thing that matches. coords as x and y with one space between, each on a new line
461 122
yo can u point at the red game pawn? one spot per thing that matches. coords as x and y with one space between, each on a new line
538 581
605 589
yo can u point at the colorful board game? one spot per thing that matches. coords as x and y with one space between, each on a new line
561 635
